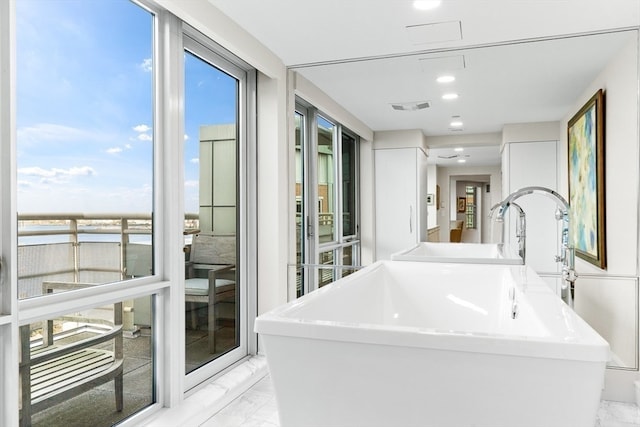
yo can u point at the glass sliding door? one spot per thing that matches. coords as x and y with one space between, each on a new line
213 91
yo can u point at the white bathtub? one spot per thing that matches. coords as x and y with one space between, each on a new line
426 344
475 253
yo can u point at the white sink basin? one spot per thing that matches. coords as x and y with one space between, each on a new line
471 253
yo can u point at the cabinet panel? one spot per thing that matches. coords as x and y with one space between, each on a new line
400 188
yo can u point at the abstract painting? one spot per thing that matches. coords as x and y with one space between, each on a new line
586 181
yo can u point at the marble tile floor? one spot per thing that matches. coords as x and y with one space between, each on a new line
257 408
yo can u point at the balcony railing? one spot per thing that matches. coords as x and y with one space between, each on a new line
90 248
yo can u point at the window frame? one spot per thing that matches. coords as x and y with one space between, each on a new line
213 54
315 249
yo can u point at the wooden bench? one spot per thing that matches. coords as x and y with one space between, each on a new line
51 373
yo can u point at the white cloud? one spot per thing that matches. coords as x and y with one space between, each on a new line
114 150
191 184
147 65
142 128
57 172
36 171
128 146
186 137
82 170
145 137
52 132
195 160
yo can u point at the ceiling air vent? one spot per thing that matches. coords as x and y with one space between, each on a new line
411 106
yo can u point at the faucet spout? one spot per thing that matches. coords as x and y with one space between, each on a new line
521 224
567 252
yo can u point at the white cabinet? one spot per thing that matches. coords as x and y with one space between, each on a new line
534 164
400 199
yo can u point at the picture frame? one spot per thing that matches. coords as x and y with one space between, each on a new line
462 204
586 158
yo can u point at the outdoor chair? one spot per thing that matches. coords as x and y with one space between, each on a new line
210 278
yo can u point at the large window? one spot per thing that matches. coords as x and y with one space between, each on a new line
122 184
327 235
85 136
85 206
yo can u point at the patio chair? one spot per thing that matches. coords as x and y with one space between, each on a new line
210 278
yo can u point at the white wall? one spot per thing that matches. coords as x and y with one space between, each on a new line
528 164
471 140
529 132
608 299
411 138
620 83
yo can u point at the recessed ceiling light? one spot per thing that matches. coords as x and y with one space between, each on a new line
462 161
445 79
426 4
458 149
455 124
450 96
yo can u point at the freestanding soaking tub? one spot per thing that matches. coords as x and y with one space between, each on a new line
473 253
425 344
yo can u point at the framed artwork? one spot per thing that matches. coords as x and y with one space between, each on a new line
437 197
586 181
462 204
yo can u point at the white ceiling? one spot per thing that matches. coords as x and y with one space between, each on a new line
515 61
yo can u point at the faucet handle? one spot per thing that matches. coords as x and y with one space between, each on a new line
569 275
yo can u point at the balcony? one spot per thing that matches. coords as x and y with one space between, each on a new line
63 252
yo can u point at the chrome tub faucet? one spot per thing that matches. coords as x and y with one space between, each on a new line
567 252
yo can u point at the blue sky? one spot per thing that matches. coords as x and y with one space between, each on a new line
84 106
